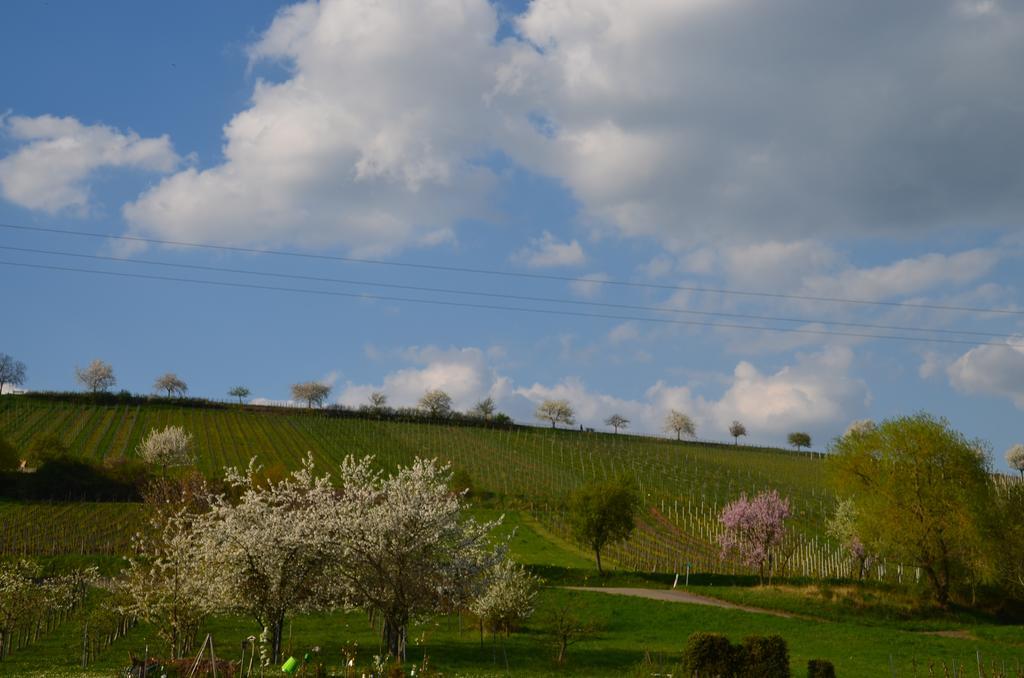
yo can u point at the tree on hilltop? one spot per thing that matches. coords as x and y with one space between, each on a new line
97 377
617 421
172 383
1015 458
680 423
484 409
378 401
737 429
311 392
436 403
240 392
12 372
799 439
556 411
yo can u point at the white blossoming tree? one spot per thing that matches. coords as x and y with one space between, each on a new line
98 376
1015 458
508 598
409 552
170 446
164 584
681 424
271 552
172 384
313 393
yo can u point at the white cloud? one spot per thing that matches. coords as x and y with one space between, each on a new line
623 332
547 251
463 373
589 285
51 168
991 370
816 393
370 142
904 277
692 121
774 265
679 121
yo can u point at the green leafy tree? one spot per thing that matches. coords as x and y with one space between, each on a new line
240 392
603 513
799 439
922 494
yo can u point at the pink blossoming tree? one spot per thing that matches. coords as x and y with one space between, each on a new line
754 529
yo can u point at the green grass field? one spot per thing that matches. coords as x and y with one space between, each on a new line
877 629
629 629
684 485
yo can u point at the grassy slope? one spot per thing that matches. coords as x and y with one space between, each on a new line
630 628
684 485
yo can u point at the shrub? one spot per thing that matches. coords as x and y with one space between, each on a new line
10 460
765 656
820 668
711 654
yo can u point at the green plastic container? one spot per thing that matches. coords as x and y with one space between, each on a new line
290 665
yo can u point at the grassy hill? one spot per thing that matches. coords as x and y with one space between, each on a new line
684 485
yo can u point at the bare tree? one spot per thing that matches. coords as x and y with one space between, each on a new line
311 392
172 383
617 421
239 392
436 403
378 401
484 409
799 439
737 429
680 423
556 411
98 376
12 372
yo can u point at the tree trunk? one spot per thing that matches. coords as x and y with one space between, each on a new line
276 633
395 627
597 552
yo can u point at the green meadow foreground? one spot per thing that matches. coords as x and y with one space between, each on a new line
878 628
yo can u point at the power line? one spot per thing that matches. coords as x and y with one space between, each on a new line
497 295
513 274
495 307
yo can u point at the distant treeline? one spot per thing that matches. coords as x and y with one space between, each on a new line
337 411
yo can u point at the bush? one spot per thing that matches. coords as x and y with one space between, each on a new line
765 656
45 447
10 460
820 668
69 479
711 654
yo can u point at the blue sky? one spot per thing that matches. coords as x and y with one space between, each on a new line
861 151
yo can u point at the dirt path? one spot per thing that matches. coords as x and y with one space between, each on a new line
676 596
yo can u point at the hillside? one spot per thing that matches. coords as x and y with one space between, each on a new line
683 484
